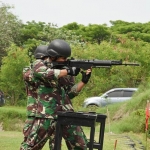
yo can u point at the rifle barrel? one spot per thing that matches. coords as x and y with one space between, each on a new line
131 64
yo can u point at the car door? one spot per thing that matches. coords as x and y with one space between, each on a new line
127 94
114 96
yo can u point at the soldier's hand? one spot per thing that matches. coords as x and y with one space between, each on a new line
73 71
86 76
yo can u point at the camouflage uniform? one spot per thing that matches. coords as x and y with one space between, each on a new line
52 98
31 91
68 83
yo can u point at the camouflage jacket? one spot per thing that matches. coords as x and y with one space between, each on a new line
31 91
52 97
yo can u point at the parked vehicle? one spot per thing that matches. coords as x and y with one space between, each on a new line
112 96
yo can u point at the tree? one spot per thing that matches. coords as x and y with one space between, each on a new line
9 28
97 33
11 81
136 31
71 26
35 33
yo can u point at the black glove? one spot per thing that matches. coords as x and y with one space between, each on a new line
73 71
85 77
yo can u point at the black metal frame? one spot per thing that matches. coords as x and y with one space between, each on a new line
81 119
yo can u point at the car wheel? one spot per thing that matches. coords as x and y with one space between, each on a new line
92 107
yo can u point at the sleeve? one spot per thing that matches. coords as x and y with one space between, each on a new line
25 73
68 83
41 71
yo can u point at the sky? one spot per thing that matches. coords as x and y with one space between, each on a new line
85 12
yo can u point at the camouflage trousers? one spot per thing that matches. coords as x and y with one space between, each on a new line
74 137
27 127
44 129
27 130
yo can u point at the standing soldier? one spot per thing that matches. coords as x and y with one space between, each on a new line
31 91
68 83
72 90
52 97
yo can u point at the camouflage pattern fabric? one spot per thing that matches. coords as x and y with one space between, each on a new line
52 98
74 137
27 127
39 134
44 129
31 91
68 83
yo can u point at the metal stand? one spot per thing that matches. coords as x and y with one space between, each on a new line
81 119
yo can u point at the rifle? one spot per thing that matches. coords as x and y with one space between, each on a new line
87 64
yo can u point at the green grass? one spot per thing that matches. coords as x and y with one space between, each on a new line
123 119
20 110
12 140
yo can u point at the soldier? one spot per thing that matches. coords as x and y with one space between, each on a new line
31 91
53 97
68 83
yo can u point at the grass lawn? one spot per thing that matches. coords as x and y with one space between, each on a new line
10 140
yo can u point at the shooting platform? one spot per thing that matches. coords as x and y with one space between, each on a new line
81 119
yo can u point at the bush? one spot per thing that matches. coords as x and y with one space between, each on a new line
12 118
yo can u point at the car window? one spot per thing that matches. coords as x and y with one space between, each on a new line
117 93
128 93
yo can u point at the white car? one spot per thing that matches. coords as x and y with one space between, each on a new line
112 96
